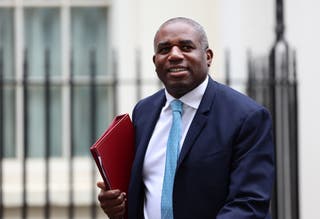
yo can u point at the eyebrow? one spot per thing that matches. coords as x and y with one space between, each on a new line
163 44
186 42
182 42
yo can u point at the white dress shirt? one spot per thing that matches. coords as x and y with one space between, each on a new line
155 158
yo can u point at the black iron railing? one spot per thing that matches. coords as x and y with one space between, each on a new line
1 131
47 121
26 83
24 210
273 82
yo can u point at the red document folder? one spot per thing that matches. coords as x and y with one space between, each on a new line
113 153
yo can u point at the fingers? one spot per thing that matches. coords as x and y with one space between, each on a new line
101 185
112 202
116 209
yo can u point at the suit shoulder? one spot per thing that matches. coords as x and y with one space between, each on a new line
229 101
150 99
147 103
234 97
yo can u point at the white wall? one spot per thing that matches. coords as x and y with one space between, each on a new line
303 32
153 13
124 40
245 25
134 25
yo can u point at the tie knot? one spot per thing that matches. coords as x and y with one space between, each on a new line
176 106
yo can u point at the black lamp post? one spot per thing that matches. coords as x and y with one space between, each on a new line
283 107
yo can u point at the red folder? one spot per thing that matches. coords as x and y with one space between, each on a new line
113 153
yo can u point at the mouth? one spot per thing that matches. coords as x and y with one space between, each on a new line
177 69
178 72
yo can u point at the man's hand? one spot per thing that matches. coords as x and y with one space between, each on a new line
112 202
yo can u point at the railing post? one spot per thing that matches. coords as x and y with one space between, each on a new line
283 99
251 82
115 82
71 151
47 102
138 74
1 130
24 211
227 67
93 119
294 138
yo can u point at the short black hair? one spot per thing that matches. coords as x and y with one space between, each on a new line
203 36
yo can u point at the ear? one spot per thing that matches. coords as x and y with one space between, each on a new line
154 59
209 55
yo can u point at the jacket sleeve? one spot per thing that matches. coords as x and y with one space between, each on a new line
252 169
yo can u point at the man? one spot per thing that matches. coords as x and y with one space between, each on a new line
225 163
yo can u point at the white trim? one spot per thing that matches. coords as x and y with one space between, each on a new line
6 3
90 3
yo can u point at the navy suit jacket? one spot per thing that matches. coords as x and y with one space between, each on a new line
225 169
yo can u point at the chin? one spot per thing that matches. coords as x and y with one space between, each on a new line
178 91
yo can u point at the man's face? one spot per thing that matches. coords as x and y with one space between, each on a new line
181 61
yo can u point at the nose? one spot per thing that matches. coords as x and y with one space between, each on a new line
175 54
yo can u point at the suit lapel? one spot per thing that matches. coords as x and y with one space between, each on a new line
199 121
150 117
145 122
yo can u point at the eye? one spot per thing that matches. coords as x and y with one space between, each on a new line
163 50
186 48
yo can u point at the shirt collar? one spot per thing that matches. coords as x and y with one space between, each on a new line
193 97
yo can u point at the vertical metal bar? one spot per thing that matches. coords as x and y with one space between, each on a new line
294 137
1 130
271 106
262 81
285 123
24 211
71 154
257 79
265 83
47 102
276 111
276 203
250 83
115 82
93 105
138 74
283 130
280 27
227 67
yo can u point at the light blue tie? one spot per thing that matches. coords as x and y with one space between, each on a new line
172 155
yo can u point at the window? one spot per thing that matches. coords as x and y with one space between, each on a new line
8 75
56 98
55 76
42 56
88 43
